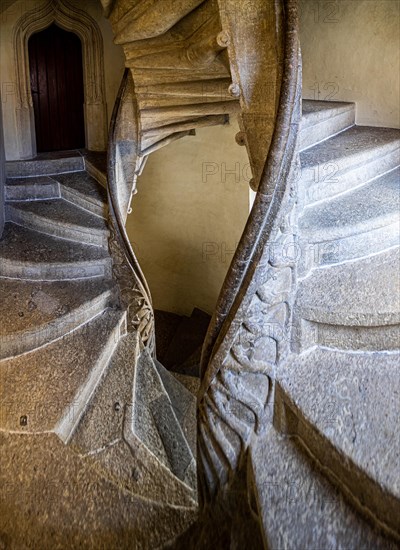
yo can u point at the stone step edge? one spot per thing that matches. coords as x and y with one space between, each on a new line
340 108
132 440
52 162
58 229
69 422
342 472
360 246
174 418
86 202
55 328
53 272
339 189
95 173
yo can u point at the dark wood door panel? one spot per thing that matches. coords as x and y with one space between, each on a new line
56 72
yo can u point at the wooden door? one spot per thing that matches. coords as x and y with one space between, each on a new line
56 72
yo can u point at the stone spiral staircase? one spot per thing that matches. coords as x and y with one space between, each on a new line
98 431
336 403
97 438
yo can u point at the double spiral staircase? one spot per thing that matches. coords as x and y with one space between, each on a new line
290 441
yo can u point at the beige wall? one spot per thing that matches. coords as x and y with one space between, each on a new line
188 216
113 64
351 49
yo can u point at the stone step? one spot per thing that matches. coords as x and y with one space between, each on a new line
356 224
355 305
60 218
34 314
156 423
27 254
105 434
183 402
323 119
96 166
46 164
344 407
298 508
191 383
51 385
147 20
51 485
84 191
77 187
346 161
31 189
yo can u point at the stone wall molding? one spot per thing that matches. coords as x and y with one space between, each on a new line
72 19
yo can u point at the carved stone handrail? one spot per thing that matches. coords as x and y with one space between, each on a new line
269 195
239 355
135 293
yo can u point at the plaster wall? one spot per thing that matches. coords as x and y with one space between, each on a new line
113 65
188 216
350 53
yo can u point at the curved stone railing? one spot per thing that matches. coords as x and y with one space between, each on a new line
240 354
122 161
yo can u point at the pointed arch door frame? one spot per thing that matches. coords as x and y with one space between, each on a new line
71 19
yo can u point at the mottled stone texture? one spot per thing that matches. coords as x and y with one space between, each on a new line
2 173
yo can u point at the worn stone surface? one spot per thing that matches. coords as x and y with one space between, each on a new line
336 397
372 206
85 187
363 292
27 254
32 188
298 507
34 313
60 219
66 368
349 159
75 506
183 403
158 418
48 384
322 119
45 164
191 383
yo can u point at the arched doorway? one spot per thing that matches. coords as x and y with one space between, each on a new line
56 76
72 19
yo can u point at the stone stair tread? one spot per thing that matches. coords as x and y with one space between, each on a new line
29 180
102 421
43 384
23 245
323 119
46 164
363 292
191 383
299 508
356 142
85 184
63 213
88 508
373 205
348 404
34 313
183 402
156 424
31 188
315 111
